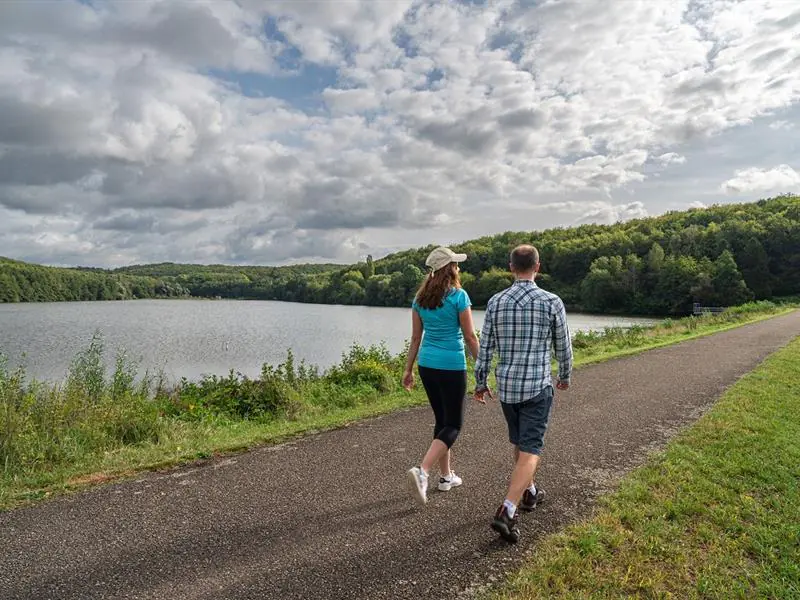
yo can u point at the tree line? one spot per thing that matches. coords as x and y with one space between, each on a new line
723 255
25 282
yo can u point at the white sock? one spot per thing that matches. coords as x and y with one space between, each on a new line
511 508
532 489
423 472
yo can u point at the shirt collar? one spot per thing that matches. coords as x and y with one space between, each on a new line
525 282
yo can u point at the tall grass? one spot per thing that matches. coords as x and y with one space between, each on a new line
44 426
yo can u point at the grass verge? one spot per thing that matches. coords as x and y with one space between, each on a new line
93 428
717 515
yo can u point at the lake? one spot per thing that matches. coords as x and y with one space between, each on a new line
188 338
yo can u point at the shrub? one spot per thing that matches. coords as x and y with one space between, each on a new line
367 372
373 366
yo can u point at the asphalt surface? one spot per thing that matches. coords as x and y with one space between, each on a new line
329 516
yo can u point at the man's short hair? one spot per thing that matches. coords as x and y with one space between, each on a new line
524 258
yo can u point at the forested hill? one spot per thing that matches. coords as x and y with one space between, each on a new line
25 282
723 255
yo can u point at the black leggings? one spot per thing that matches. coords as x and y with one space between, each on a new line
446 391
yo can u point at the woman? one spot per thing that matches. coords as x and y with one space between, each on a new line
442 310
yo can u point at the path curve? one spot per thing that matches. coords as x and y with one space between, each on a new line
328 517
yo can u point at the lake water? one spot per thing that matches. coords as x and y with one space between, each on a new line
187 338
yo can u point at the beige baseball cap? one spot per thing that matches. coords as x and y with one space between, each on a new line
441 257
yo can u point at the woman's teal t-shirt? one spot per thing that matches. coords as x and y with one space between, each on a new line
442 341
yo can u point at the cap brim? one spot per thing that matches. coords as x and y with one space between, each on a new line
459 257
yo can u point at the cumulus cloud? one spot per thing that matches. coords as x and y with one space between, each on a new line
670 158
279 131
598 211
782 178
610 213
782 125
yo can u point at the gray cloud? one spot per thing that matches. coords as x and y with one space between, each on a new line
28 167
127 221
26 123
461 137
523 118
789 22
186 32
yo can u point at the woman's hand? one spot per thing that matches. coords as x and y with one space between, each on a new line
408 380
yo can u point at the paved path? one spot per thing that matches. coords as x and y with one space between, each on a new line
328 516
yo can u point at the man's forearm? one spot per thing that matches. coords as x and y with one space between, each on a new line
481 370
564 359
484 360
564 371
562 344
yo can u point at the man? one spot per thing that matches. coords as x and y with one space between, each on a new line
520 323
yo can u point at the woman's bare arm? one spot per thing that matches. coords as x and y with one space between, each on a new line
468 329
413 349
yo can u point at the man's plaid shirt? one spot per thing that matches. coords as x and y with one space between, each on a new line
520 323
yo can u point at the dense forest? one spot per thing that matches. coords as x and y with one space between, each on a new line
722 256
25 282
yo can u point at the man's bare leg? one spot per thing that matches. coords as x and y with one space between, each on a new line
522 476
535 468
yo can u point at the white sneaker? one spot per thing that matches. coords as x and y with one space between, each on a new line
451 481
418 484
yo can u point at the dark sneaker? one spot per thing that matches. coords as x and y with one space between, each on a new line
506 526
530 501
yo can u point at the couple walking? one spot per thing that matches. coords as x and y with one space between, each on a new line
520 325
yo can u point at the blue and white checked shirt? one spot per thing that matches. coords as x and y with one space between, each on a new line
521 323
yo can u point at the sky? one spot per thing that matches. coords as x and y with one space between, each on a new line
281 132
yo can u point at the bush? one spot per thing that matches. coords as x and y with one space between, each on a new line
236 396
373 366
367 372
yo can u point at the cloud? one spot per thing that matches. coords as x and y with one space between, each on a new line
350 101
597 211
610 213
782 125
670 158
782 178
284 130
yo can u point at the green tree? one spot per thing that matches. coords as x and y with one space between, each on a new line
676 280
754 264
489 283
655 257
611 285
351 292
729 286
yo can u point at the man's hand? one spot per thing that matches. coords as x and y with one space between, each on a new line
562 385
408 380
479 395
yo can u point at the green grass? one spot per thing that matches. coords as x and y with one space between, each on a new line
717 515
94 428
